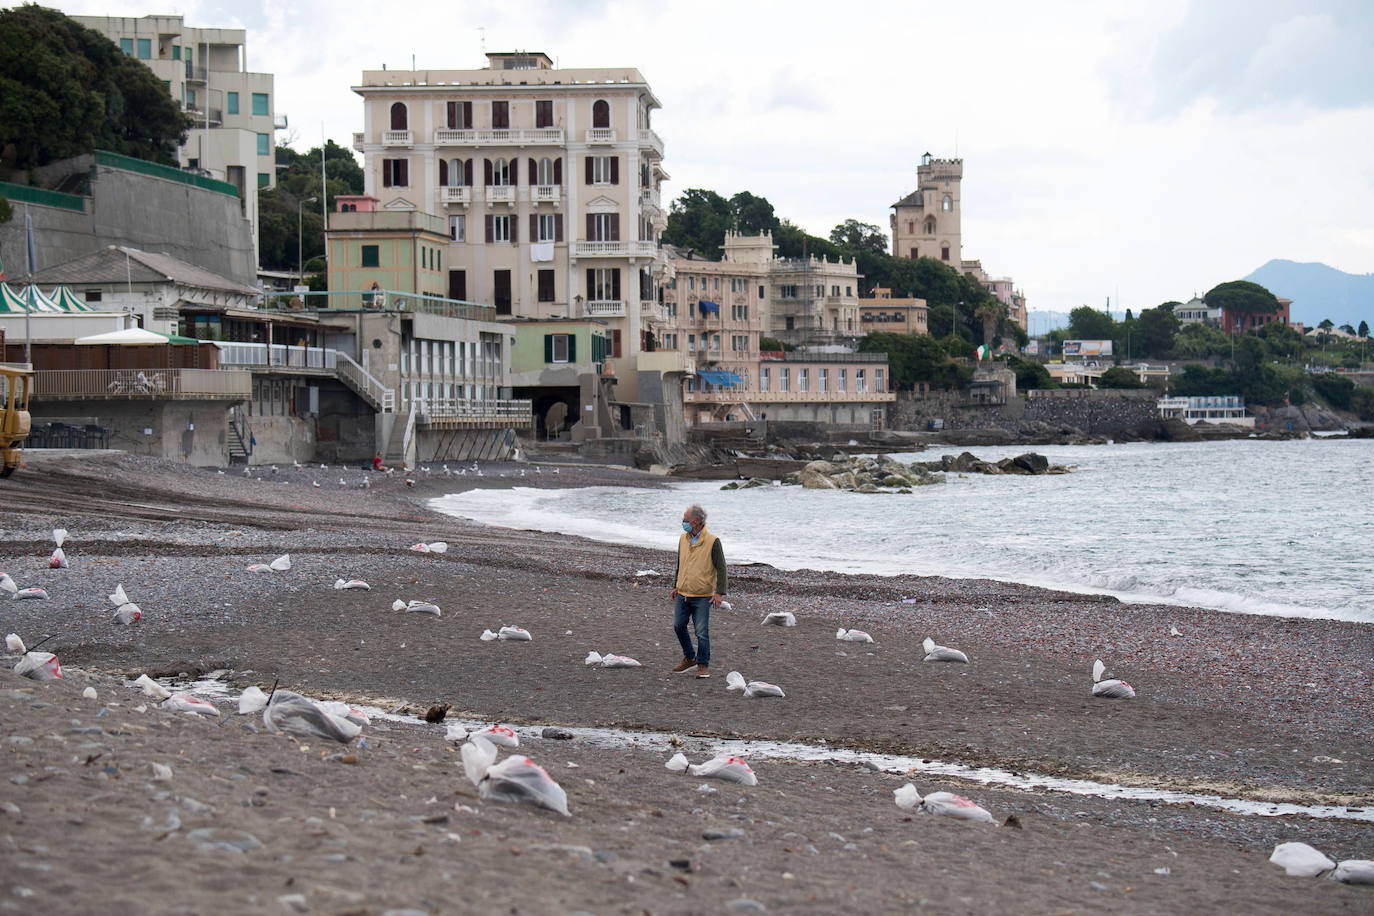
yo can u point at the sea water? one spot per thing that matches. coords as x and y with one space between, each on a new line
1283 528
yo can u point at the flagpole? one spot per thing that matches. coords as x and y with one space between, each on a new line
28 307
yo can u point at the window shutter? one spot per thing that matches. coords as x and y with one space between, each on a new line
558 171
558 227
548 348
451 114
615 343
534 227
486 172
615 227
591 283
467 115
514 229
443 172
615 170
467 171
386 173
513 171
615 285
591 227
488 219
587 161
572 348
403 172
534 173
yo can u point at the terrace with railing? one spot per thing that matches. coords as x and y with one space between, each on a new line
146 384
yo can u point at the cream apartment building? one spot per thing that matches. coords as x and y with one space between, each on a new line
232 109
815 301
547 181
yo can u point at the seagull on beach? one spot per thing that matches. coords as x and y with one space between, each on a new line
247 472
342 482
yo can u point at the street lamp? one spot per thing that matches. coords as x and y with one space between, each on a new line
300 245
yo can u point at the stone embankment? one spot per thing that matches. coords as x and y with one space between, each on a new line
883 474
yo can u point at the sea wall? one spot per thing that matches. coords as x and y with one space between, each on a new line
1100 412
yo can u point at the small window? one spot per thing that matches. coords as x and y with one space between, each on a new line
546 285
543 115
601 169
232 102
544 228
264 144
947 204
260 104
500 228
500 115
458 228
264 179
944 253
760 291
559 343
601 114
145 48
395 173
176 52
371 256
127 46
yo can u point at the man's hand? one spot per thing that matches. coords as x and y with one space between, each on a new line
673 594
715 600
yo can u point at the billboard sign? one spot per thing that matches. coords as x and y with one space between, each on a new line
1087 348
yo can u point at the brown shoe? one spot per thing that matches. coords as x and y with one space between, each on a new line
685 664
703 671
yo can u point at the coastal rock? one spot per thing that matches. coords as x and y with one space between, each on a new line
815 480
821 467
1033 462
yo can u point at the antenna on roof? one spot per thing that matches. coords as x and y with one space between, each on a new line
483 30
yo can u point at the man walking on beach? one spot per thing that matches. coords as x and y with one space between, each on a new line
698 587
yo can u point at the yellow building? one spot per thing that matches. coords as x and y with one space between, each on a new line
883 312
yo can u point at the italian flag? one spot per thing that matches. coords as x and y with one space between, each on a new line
984 352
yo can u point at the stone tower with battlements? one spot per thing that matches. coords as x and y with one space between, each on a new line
926 223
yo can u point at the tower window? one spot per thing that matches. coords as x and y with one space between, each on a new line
947 204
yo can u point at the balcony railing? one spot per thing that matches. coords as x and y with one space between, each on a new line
601 135
260 354
604 308
151 384
397 138
743 393
359 138
458 411
650 140
455 195
653 311
552 136
624 249
500 194
545 193
195 74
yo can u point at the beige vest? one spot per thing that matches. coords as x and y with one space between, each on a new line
696 574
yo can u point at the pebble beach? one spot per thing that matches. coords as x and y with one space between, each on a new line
1266 710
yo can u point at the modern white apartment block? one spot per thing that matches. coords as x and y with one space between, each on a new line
206 71
546 179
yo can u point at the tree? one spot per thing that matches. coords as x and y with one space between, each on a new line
1120 377
698 220
1336 389
1030 374
1241 297
1157 328
915 358
1362 332
1198 341
753 214
66 90
857 236
772 344
298 179
1088 323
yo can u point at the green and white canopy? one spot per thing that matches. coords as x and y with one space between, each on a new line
17 303
68 301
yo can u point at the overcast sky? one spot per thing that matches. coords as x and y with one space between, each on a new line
1132 150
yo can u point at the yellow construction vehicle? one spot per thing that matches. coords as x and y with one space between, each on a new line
15 387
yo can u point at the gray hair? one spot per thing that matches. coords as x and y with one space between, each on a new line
696 512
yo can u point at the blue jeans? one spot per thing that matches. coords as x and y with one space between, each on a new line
697 610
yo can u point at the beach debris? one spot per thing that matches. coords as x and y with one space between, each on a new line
128 614
488 636
514 633
935 653
678 763
352 584
161 772
315 484
844 635
647 572
89 694
610 660
727 767
190 703
433 547
456 732
908 601
152 688
500 735
33 593
1299 860
251 700
944 803
59 536
58 560
119 598
781 619
280 564
14 644
1109 688
1173 631
727 605
294 714
516 779
416 607
7 584
735 681
1355 871
344 711
39 666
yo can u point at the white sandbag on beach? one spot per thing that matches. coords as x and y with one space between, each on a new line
14 644
190 703
421 607
1300 860
280 564
610 660
294 714
520 779
354 584
455 732
434 547
39 666
906 797
251 700
647 572
128 614
1355 871
946 804
678 763
735 681
7 584
58 560
844 635
119 599
515 633
727 767
59 536
1109 688
781 619
936 653
499 735
152 688
345 711
33 593
488 636
478 756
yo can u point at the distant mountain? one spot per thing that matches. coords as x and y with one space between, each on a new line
1319 291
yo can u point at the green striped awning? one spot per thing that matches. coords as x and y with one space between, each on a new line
68 301
17 302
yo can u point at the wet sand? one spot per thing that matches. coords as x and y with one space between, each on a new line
1246 707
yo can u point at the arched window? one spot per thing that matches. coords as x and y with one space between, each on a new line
944 252
546 171
947 204
911 226
601 113
400 118
930 226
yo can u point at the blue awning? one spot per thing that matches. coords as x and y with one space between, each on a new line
706 305
720 378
